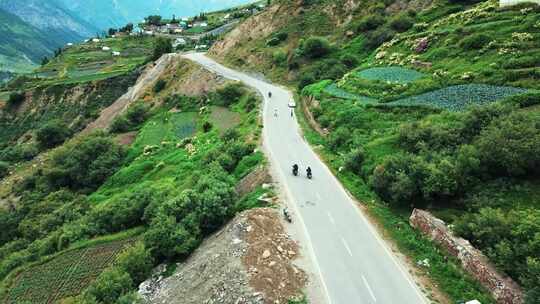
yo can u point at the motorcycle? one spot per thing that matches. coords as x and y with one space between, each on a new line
287 215
295 170
309 174
270 94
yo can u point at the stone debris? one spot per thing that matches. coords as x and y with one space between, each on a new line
503 288
250 261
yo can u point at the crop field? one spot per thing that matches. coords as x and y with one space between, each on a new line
224 119
88 61
460 97
334 91
391 74
65 275
168 127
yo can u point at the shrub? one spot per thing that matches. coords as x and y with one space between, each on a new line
354 160
160 85
207 126
376 38
349 60
525 100
279 58
167 238
511 145
306 79
370 23
137 114
120 124
316 47
52 134
137 262
474 41
230 94
110 286
15 99
162 46
401 23
85 165
4 169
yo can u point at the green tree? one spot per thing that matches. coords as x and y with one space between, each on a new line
137 261
52 134
111 284
316 47
162 46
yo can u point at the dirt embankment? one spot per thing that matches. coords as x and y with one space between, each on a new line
248 261
147 79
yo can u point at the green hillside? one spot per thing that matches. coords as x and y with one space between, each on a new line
428 105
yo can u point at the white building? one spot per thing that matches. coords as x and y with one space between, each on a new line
95 40
116 53
105 48
514 2
179 41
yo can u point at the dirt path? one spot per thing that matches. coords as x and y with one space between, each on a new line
145 81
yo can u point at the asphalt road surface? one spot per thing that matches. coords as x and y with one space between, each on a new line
354 263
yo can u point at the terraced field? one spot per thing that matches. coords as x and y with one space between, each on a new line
334 91
65 275
391 74
460 97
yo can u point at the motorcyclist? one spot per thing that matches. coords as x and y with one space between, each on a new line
309 172
295 169
270 94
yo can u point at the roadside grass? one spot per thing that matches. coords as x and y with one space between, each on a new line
223 118
66 273
445 272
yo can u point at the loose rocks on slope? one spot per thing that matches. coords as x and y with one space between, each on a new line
249 261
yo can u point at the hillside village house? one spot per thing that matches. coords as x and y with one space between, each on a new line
514 2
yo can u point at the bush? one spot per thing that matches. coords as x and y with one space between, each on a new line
159 86
349 60
162 46
15 99
85 165
377 38
306 79
511 145
120 124
110 286
137 262
474 41
4 169
401 23
52 134
230 94
354 160
525 100
279 58
137 114
316 47
370 23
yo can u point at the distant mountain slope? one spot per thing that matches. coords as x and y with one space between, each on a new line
21 45
31 29
50 16
106 13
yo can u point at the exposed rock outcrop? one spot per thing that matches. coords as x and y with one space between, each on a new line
503 288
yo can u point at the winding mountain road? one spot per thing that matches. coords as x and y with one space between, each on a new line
354 263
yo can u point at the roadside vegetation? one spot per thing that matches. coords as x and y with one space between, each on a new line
151 202
431 106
